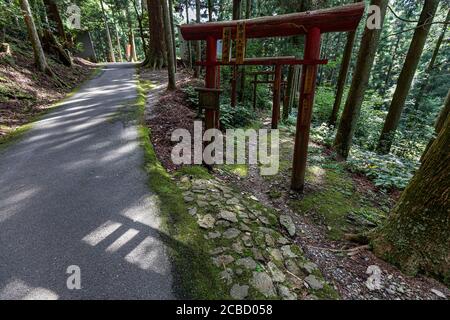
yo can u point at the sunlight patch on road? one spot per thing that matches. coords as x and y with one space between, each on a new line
101 233
145 254
122 240
19 290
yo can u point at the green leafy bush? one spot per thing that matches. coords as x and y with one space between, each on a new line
238 117
386 171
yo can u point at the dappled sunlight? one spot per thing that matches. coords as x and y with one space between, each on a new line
18 290
147 218
101 233
14 201
145 254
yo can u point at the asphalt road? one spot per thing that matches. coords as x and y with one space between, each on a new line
73 193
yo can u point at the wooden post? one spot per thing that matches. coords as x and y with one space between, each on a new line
309 76
233 87
210 78
276 97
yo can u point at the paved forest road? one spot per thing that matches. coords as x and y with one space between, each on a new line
73 192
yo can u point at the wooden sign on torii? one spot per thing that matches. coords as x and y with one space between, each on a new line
312 24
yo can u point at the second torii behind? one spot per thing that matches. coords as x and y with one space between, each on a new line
312 24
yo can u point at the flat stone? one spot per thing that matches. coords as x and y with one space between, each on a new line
264 220
193 211
237 247
242 215
239 292
206 222
269 240
247 263
217 251
313 282
287 252
188 199
228 216
309 267
223 260
292 267
262 282
277 274
202 204
232 201
285 293
247 241
227 276
283 241
231 233
214 235
244 227
286 222
276 254
223 223
257 254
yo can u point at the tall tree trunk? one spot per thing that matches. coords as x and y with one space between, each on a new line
39 56
424 84
236 9
387 79
439 43
119 46
198 44
157 53
172 29
133 56
141 29
248 7
406 76
112 58
342 79
53 15
210 10
189 43
416 235
361 75
170 55
440 121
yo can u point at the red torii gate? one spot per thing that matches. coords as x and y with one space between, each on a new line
312 24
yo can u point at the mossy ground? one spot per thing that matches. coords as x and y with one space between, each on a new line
195 275
330 194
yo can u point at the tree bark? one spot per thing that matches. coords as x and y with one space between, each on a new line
53 15
440 121
416 235
39 56
172 29
342 79
361 75
170 55
133 56
189 43
424 85
198 44
111 57
406 76
157 52
210 10
141 28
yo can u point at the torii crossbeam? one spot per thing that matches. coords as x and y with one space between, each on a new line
312 24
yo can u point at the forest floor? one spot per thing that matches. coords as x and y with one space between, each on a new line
26 94
251 237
